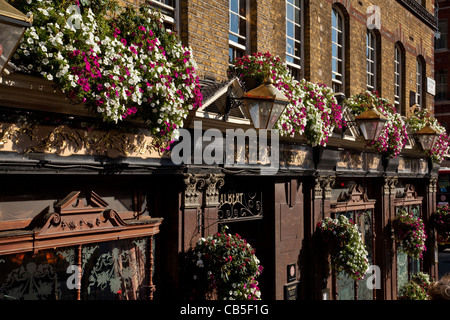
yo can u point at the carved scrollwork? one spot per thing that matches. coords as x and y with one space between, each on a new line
207 185
56 219
390 185
192 186
433 184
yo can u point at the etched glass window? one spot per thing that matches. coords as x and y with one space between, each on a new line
407 266
346 286
113 270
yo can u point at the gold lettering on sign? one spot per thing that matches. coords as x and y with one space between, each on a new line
231 198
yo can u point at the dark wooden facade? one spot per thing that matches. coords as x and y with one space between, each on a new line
66 186
175 205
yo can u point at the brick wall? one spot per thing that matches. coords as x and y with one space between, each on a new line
204 27
397 24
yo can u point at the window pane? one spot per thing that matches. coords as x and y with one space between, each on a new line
298 36
290 29
297 16
334 19
243 28
290 46
334 36
290 12
334 51
234 6
335 65
243 8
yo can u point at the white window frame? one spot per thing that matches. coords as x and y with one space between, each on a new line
419 82
398 74
295 68
338 79
371 60
175 18
233 45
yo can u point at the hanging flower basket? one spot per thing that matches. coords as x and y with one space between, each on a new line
409 233
313 110
393 138
120 67
440 219
418 288
418 121
347 249
224 265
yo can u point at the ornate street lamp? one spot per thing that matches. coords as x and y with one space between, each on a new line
264 105
427 137
371 122
13 24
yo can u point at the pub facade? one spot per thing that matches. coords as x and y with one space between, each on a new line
90 212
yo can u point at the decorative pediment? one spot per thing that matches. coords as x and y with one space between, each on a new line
408 196
74 214
355 198
77 220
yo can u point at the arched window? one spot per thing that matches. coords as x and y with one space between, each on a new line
294 37
371 59
420 74
399 61
337 50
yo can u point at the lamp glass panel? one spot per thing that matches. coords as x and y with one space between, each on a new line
371 129
253 110
427 141
9 37
265 108
277 110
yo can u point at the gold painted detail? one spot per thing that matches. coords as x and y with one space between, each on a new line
350 160
66 141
